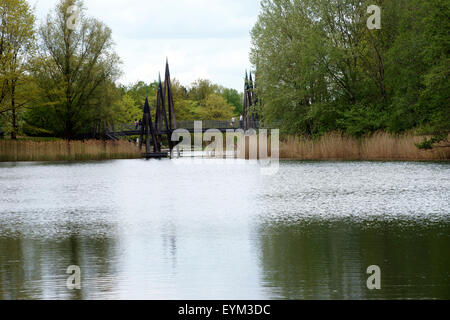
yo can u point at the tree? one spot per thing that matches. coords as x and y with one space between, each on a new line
140 90
435 98
320 68
126 110
233 98
74 66
201 88
214 107
17 43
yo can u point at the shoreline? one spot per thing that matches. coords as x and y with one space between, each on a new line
280 159
333 146
380 146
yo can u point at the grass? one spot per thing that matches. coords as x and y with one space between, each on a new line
379 146
60 150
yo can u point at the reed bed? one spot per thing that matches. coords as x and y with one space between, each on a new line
66 151
378 146
331 146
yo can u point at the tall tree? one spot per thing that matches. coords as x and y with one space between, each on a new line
75 63
17 44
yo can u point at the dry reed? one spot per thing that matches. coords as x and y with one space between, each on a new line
66 151
331 146
378 146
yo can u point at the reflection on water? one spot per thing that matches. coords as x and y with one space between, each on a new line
328 259
32 269
177 230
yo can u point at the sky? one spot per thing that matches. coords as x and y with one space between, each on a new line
207 39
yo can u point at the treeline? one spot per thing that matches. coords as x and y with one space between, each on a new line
319 68
201 100
61 81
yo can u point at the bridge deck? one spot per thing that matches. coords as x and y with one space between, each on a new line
155 155
127 130
221 125
163 132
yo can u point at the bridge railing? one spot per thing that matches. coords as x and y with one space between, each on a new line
224 124
206 124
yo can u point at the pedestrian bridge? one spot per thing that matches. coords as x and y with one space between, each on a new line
130 129
162 122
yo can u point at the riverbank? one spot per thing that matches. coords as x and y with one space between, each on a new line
66 151
380 146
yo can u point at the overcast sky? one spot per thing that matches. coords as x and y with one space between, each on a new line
207 39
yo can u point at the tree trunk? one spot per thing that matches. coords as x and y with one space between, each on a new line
67 75
14 115
68 130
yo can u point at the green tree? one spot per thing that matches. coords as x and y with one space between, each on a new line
126 110
234 98
319 67
17 44
201 89
140 90
214 107
74 66
186 109
435 98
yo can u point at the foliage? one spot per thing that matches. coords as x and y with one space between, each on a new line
61 81
74 69
320 68
214 107
234 98
202 101
17 44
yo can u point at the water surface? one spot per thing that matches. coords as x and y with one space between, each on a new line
176 230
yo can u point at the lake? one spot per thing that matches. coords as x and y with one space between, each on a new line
174 229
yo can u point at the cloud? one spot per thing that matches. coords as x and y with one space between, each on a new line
219 60
202 38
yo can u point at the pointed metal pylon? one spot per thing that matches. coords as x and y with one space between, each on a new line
245 108
147 129
170 104
146 106
163 121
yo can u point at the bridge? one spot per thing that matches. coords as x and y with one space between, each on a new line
130 129
224 126
151 131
